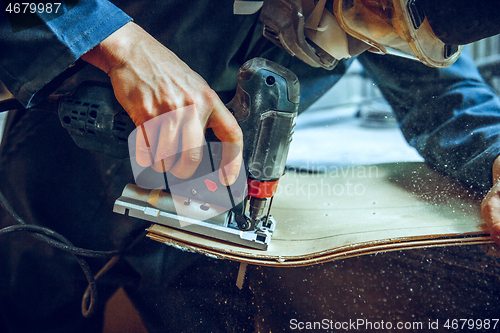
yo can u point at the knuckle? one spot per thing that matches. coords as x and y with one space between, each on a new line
166 155
143 159
209 93
234 132
169 120
139 116
208 96
193 157
143 150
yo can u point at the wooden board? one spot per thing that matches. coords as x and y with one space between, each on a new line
349 211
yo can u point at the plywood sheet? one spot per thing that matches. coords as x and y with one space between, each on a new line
340 212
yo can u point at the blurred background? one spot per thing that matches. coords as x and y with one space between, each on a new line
352 124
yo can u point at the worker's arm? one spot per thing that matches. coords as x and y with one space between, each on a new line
490 207
149 80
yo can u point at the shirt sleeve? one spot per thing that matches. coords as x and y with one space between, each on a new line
450 115
32 57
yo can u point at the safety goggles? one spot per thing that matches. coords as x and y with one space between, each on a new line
321 32
397 27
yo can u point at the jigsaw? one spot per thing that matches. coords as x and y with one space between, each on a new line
265 105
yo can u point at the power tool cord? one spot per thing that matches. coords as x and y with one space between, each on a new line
55 239
49 236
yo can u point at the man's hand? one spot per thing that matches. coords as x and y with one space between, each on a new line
490 207
149 80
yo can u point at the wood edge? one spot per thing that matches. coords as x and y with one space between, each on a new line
345 252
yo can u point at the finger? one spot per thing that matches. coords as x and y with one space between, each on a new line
490 211
144 152
230 164
495 232
168 142
193 139
227 130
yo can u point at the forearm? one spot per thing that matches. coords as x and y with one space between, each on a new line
112 50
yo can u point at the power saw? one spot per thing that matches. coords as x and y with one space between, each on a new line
265 105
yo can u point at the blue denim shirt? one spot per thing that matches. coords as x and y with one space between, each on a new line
449 115
31 58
